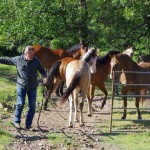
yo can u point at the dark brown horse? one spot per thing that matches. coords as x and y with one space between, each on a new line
57 74
131 74
99 78
143 58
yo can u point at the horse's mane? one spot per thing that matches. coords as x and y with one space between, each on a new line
91 53
73 48
39 48
106 58
127 59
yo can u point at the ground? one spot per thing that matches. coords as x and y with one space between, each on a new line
55 122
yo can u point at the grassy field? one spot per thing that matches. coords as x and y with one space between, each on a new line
123 140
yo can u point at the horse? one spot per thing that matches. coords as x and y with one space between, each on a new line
143 58
78 76
48 56
99 78
58 71
130 52
145 65
125 63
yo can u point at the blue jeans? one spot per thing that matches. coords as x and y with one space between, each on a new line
21 95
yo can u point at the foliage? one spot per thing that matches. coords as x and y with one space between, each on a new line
113 24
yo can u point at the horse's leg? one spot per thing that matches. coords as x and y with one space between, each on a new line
83 96
137 106
143 92
59 89
124 92
117 81
56 83
90 96
103 89
71 107
75 94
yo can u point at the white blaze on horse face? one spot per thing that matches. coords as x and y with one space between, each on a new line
112 64
93 65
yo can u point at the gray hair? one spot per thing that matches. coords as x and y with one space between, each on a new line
28 48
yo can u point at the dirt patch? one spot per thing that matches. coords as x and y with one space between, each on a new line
55 121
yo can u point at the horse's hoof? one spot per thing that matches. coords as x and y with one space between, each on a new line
139 118
76 120
57 94
123 117
70 126
81 124
102 106
44 108
89 115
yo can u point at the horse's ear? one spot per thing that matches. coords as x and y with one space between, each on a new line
110 55
84 43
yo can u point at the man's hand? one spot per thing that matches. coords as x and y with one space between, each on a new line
44 80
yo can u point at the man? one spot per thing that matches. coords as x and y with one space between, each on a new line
27 67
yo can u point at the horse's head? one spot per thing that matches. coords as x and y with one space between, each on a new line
129 51
83 48
91 58
114 64
143 58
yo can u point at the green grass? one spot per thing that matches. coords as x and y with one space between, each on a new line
64 139
5 138
124 141
130 141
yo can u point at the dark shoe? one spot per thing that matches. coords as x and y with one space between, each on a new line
17 125
29 128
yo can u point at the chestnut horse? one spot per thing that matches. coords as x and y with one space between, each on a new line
58 71
49 56
124 62
130 52
78 76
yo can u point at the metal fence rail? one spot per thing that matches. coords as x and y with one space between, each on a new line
114 83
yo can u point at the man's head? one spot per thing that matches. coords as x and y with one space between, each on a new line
29 53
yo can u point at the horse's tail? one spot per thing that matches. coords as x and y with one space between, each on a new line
74 83
53 72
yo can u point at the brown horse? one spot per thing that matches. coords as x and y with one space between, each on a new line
78 76
130 52
99 78
58 70
49 56
145 65
55 76
124 62
143 58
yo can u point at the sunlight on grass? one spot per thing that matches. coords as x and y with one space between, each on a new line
5 138
131 141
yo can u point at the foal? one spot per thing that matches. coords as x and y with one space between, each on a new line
78 77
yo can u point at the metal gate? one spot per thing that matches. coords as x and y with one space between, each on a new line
113 108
